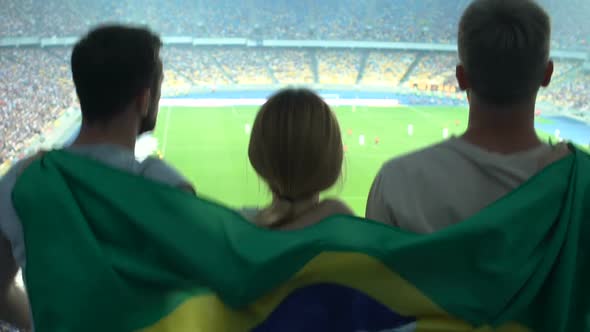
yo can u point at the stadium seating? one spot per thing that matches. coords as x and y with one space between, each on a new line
36 83
387 69
191 68
291 67
35 89
434 72
244 66
571 93
338 67
383 20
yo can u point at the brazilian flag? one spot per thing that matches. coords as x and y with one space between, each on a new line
110 251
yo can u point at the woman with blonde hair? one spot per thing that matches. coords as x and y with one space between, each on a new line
296 148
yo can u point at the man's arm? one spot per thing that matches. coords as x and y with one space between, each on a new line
158 170
377 209
14 305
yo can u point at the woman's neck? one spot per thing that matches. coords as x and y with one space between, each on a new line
299 206
307 212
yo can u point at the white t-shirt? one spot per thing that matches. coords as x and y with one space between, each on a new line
447 183
114 156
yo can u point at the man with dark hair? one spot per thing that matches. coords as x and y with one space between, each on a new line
504 61
118 73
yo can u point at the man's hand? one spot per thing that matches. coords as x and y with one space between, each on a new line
14 304
17 311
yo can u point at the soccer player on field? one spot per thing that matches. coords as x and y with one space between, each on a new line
504 61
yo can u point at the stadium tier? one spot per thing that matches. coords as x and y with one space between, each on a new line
35 90
338 67
36 82
387 69
383 20
291 66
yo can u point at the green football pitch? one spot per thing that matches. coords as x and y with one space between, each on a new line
209 145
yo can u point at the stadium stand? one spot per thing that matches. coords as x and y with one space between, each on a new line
387 68
244 66
186 68
291 67
570 93
382 20
36 89
338 67
30 101
435 72
570 28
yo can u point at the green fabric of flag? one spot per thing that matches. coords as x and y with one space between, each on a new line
110 251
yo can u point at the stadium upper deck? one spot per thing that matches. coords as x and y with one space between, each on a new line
36 86
382 20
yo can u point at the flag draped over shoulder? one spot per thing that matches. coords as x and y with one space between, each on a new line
109 251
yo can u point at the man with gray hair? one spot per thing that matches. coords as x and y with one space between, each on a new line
504 61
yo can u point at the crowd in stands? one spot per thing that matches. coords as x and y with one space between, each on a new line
35 89
418 215
435 72
570 93
291 67
381 20
570 23
338 67
244 66
387 68
186 68
36 83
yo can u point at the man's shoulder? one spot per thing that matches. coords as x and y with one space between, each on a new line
428 157
8 180
8 221
159 170
124 159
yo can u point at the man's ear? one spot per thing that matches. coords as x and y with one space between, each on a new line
462 78
142 101
548 74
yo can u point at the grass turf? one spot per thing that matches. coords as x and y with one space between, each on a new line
209 146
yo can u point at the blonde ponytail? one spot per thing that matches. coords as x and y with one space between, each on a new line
296 148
